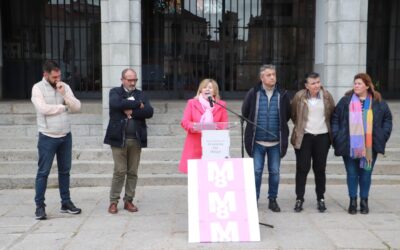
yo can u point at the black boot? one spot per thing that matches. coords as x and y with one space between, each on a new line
273 205
298 206
364 206
353 206
321 205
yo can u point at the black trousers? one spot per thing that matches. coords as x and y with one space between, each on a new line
313 147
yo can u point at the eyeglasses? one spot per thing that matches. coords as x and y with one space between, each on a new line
131 80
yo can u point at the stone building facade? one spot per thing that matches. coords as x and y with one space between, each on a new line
172 44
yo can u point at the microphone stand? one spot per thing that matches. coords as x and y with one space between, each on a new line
242 119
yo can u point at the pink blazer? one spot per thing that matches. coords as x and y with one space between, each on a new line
193 112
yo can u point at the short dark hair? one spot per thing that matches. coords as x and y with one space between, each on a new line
311 75
50 65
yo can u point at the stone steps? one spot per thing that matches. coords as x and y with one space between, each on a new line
31 142
92 160
157 154
171 167
95 106
91 126
91 180
96 142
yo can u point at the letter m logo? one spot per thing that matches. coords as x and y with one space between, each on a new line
220 175
222 207
229 233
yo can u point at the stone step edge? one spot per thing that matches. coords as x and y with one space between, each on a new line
289 175
104 180
87 149
166 162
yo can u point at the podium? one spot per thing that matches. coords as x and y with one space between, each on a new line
215 139
221 190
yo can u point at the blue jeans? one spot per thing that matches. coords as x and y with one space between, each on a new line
357 176
48 147
274 163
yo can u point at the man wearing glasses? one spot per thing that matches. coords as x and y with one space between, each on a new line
126 134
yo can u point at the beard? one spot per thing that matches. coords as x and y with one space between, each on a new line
52 83
131 88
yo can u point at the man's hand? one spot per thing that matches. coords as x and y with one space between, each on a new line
128 113
60 87
141 105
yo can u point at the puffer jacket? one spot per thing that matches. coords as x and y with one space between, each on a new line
268 117
300 115
250 109
381 129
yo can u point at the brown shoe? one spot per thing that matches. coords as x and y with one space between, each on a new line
112 209
130 207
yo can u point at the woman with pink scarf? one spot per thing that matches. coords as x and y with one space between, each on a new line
198 111
361 125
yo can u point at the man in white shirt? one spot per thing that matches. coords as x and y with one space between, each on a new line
53 100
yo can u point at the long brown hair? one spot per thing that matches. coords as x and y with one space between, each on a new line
368 82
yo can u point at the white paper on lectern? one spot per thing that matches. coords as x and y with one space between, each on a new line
215 144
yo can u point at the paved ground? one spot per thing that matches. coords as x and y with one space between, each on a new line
161 222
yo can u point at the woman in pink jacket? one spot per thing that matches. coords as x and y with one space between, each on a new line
197 111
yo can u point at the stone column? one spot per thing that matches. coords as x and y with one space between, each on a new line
345 43
320 38
1 60
121 39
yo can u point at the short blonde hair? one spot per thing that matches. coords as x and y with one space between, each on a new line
214 84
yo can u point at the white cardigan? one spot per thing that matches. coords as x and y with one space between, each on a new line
52 109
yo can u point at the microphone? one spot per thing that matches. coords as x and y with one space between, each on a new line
211 101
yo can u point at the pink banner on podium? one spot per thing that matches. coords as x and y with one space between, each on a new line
222 201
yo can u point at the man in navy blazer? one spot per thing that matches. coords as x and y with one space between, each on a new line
127 135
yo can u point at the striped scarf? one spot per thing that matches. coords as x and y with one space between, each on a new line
360 124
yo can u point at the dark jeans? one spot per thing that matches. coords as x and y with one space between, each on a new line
315 148
357 176
48 147
274 163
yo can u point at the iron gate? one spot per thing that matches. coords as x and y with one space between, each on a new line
187 40
67 31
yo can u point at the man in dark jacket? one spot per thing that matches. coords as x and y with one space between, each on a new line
127 135
268 106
